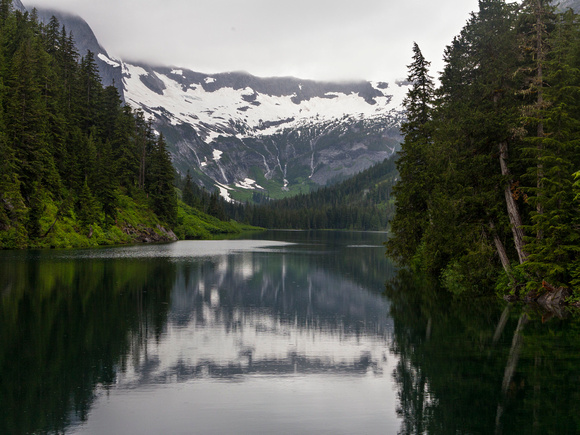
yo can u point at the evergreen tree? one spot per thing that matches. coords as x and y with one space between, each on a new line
125 150
412 190
67 70
106 184
537 22
187 194
90 91
5 10
554 222
160 183
87 209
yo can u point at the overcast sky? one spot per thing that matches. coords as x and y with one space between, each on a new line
310 39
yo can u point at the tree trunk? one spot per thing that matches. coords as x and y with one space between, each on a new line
501 325
540 102
505 262
512 208
510 368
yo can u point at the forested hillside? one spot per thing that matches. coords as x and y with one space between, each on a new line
77 168
489 167
362 202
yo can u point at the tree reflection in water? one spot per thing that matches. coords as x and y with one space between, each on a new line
474 366
65 328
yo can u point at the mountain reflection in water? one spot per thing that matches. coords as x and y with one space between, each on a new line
258 313
177 334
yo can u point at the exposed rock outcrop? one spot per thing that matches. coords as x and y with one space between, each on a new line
143 234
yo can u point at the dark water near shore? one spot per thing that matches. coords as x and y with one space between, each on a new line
283 332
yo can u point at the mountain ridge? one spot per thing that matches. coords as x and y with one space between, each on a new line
237 132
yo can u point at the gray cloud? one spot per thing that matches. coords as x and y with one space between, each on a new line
319 39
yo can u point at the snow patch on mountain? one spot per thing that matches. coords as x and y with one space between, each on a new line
216 111
108 61
224 191
249 184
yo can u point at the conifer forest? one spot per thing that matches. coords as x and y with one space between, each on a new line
78 168
70 152
489 169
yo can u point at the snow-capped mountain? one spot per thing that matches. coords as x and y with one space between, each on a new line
243 133
241 130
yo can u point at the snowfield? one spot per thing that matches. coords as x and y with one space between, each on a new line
196 106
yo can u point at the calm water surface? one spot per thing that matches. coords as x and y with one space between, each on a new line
284 332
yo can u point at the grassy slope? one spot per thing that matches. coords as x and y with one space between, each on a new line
194 224
134 220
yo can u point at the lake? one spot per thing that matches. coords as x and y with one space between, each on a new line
280 332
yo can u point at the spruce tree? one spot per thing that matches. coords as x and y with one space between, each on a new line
537 23
160 183
87 209
106 187
555 243
125 150
188 196
90 91
412 190
5 10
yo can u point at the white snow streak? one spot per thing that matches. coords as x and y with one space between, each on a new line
224 191
248 183
108 61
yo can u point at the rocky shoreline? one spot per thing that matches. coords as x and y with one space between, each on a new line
143 234
553 300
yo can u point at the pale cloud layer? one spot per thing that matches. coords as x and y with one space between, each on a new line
317 39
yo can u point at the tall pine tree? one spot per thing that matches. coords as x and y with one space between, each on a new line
412 190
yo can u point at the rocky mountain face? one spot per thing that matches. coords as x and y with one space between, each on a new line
245 134
272 134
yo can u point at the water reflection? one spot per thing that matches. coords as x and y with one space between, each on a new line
296 330
476 366
267 314
65 328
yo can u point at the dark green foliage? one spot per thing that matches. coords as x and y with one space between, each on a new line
412 191
188 194
490 173
159 183
69 150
